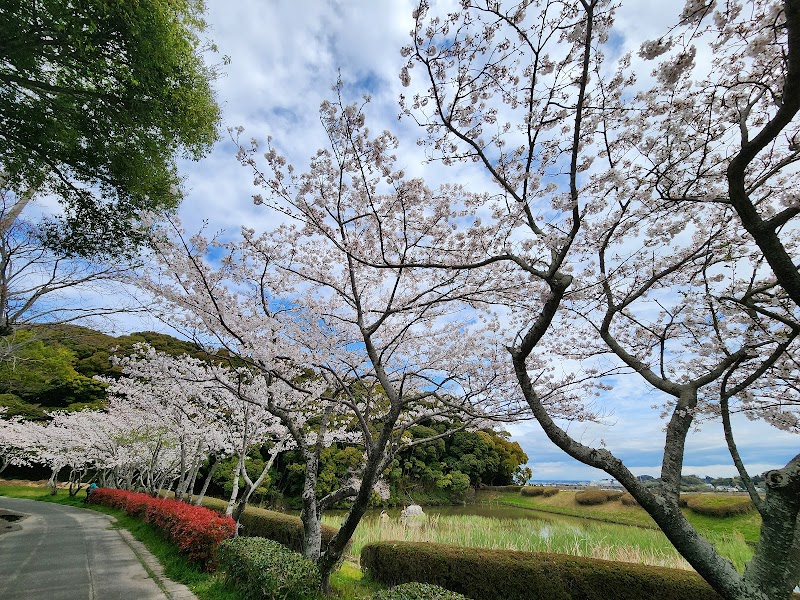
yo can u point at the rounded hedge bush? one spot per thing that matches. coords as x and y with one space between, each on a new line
717 505
628 500
418 591
593 497
536 490
262 568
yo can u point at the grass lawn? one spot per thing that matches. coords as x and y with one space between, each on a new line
747 525
733 535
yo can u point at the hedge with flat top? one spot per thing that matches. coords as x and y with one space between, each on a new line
417 591
509 575
283 528
531 490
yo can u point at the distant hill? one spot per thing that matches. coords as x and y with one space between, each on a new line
54 366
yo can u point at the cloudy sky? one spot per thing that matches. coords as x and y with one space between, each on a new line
284 57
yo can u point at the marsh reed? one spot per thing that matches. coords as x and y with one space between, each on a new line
593 539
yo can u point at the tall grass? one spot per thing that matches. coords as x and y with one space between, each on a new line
594 539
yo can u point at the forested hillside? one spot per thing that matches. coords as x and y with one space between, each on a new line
52 368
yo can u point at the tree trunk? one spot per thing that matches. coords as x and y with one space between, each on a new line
53 481
333 551
75 481
7 219
207 482
252 486
775 567
187 486
180 489
235 489
312 526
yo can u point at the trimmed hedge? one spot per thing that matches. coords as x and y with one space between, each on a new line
509 575
501 488
628 500
720 506
196 531
259 522
530 490
262 568
591 497
417 591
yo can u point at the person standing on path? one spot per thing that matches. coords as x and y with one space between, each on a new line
92 487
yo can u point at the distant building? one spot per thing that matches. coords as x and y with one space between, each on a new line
726 488
605 483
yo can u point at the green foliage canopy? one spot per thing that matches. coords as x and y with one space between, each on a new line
96 99
42 375
53 367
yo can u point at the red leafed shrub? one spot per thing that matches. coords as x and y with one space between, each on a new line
197 531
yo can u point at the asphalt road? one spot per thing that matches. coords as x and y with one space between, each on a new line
64 553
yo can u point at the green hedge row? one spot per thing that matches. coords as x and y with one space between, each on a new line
259 522
590 497
509 575
264 569
501 488
530 490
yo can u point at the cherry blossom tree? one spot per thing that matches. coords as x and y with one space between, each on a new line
16 442
143 454
199 410
184 398
246 425
653 220
59 444
340 350
79 441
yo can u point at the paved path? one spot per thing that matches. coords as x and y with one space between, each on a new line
65 553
